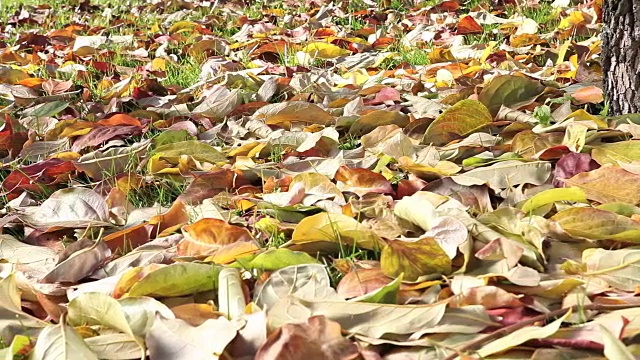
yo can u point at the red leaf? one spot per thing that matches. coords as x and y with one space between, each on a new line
37 177
570 165
12 141
102 134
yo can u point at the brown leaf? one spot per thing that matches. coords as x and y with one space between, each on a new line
317 339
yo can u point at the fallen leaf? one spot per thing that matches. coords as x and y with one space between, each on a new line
317 338
600 185
414 258
61 341
510 91
596 224
462 119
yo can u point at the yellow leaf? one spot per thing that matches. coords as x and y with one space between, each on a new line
340 230
581 115
608 184
324 50
462 119
182 26
159 64
414 259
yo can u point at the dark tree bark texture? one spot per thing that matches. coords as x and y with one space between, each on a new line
621 55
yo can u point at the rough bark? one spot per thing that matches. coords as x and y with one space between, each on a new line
621 55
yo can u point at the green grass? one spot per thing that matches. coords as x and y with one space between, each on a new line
349 142
161 192
415 57
411 56
184 74
490 33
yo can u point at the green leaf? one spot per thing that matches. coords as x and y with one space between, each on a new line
552 195
543 114
511 91
620 208
611 153
197 149
177 280
171 136
596 224
47 109
462 119
276 259
387 294
20 344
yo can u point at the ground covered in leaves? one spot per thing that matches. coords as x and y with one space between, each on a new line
314 180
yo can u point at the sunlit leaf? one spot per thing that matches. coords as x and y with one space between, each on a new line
510 91
596 224
553 195
414 258
462 119
603 185
176 280
341 231
208 236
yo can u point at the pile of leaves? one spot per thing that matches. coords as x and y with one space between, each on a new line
351 180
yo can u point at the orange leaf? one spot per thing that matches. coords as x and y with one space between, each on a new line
195 314
588 94
230 253
176 215
120 119
358 282
362 181
383 43
31 82
468 25
206 236
123 241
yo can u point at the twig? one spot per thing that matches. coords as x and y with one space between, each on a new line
477 343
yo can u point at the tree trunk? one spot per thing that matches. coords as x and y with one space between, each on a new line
620 53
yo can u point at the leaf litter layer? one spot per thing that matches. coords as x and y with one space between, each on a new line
360 180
